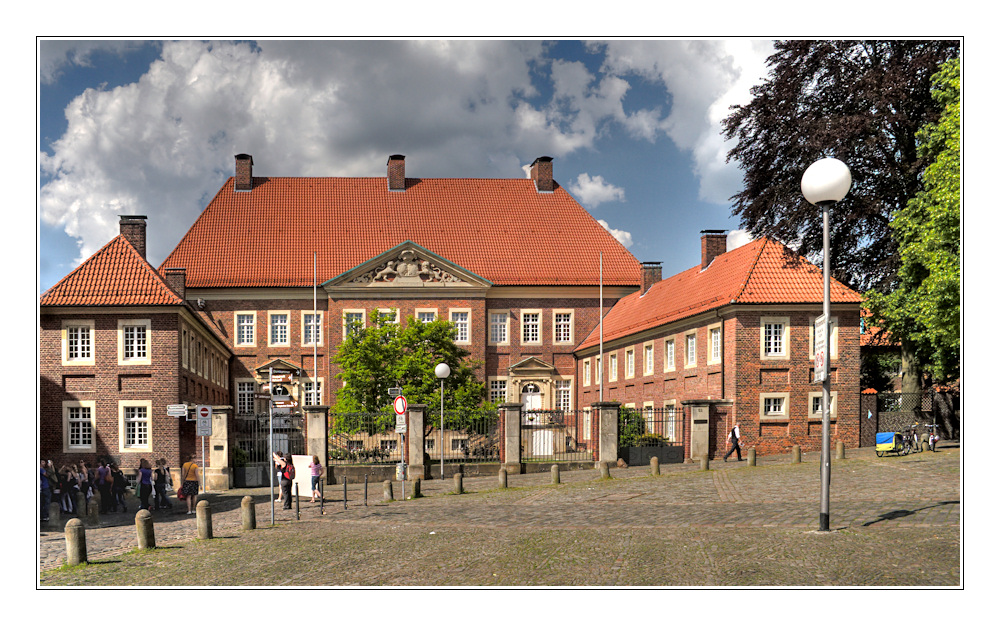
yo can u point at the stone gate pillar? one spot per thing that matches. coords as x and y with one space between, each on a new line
218 475
416 415
607 430
510 422
318 435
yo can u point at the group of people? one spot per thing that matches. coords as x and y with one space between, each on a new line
285 469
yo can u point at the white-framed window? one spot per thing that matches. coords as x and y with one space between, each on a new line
388 445
648 359
429 444
246 325
134 426
245 401
531 327
774 337
562 326
773 406
426 316
599 369
278 328
671 415
649 416
613 366
459 444
388 316
78 426
354 320
462 321
816 405
833 337
499 328
498 390
133 342
668 355
564 395
587 425
691 349
715 343
630 363
78 342
586 372
312 328
312 392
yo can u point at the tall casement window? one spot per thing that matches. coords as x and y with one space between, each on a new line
774 337
690 350
245 391
498 390
586 372
78 426
531 331
78 342
668 355
630 363
647 359
278 335
354 321
460 319
312 329
312 393
613 366
562 326
388 316
715 344
134 425
564 395
133 342
499 325
245 323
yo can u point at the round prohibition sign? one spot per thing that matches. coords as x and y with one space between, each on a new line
399 405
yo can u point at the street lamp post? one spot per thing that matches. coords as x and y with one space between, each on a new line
825 183
442 371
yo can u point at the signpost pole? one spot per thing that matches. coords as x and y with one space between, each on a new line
270 438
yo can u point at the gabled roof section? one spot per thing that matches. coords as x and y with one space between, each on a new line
115 275
760 272
407 266
501 230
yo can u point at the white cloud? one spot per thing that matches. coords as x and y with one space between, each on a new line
737 238
623 237
591 192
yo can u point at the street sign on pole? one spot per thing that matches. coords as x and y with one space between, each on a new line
819 343
177 410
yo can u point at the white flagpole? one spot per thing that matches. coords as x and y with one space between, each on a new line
315 334
600 358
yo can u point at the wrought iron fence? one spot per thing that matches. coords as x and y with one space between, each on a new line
364 439
252 452
899 411
557 435
648 432
468 436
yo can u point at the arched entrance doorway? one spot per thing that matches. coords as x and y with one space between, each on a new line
531 397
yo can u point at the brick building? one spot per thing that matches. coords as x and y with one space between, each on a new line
275 268
732 336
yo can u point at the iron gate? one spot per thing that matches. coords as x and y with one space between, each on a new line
556 435
648 432
252 454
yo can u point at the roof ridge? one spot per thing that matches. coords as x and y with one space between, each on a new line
753 266
80 266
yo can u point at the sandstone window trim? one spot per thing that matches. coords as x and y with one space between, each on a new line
691 349
425 315
134 342
497 389
499 331
311 391
351 316
669 355
714 344
648 358
774 336
562 326
461 319
531 327
279 328
815 405
80 422
78 342
245 329
312 327
135 423
774 407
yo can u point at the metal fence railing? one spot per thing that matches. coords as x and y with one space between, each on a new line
364 439
648 432
557 435
467 437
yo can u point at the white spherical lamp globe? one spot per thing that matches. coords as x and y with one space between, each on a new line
826 180
442 370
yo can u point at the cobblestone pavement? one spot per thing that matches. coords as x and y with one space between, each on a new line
918 491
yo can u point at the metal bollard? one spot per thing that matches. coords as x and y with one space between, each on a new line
840 451
76 542
458 483
345 493
796 454
752 457
502 476
387 491
366 489
605 469
297 501
144 529
203 513
654 466
555 474
248 513
705 463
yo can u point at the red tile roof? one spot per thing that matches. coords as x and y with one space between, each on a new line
500 229
114 275
761 272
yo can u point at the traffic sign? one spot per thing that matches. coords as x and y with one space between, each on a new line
819 344
399 405
401 424
285 404
203 411
177 410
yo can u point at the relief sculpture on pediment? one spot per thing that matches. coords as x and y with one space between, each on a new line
408 269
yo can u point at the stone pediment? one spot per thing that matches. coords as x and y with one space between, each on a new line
407 268
532 366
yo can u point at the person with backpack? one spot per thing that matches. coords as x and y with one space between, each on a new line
287 476
161 478
104 480
734 437
189 482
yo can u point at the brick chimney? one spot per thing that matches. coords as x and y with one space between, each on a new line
244 172
541 173
652 273
176 279
713 243
133 227
397 172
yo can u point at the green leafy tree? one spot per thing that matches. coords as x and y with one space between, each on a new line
924 311
384 355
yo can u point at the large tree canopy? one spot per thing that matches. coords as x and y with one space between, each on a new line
925 310
859 101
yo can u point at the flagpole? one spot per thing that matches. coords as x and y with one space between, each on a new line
600 356
315 336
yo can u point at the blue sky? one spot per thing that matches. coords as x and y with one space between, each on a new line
151 127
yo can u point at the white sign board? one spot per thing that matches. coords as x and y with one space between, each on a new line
177 410
401 424
203 415
819 342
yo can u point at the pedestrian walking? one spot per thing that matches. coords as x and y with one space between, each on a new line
161 478
118 487
44 491
734 437
145 484
278 458
316 470
104 480
287 476
189 482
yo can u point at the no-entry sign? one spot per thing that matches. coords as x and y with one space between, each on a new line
399 405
